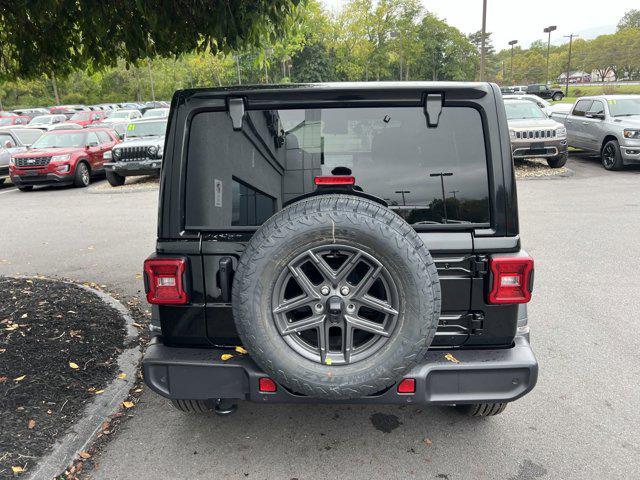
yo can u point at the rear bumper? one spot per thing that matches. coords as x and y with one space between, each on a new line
142 167
501 375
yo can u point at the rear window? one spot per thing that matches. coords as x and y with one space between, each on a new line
426 175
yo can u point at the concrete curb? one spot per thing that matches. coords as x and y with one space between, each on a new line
85 430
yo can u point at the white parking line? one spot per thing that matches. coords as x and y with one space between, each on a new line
12 189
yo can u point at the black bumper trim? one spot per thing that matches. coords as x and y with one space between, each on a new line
47 179
499 375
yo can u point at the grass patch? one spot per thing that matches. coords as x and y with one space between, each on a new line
577 91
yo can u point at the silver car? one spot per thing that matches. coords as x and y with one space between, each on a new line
608 125
14 140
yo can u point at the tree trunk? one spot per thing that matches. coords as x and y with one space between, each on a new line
153 91
55 88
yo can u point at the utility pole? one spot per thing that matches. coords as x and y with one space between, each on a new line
566 86
548 30
483 36
153 91
444 198
404 203
512 43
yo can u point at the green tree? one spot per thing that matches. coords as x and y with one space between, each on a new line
631 19
62 35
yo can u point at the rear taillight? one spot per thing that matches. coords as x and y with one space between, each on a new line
267 385
165 281
510 279
335 180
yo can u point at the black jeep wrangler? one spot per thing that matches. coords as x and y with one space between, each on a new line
339 243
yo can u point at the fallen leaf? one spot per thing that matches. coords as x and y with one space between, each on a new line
91 247
3 379
137 325
98 392
12 327
225 356
451 358
328 361
17 469
85 455
426 441
29 281
104 426
138 275
71 311
137 390
241 350
128 404
19 379
74 365
2 350
24 315
122 375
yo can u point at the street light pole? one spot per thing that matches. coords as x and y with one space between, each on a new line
404 203
512 43
548 31
444 198
566 87
483 36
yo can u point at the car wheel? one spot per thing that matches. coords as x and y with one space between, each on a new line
25 188
192 406
557 97
482 409
557 162
336 297
114 179
611 156
82 176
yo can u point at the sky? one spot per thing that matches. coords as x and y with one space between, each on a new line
524 20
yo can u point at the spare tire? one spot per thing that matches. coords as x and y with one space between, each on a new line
336 297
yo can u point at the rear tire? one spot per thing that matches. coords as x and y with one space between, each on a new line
25 188
611 156
192 406
557 97
482 409
557 162
114 179
82 176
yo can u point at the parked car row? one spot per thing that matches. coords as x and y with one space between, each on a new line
71 154
539 89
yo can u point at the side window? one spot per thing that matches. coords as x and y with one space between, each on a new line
582 107
543 88
92 138
597 107
533 88
104 137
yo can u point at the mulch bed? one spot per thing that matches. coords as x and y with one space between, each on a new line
58 348
537 168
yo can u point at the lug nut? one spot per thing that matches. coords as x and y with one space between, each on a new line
318 307
344 290
325 290
351 307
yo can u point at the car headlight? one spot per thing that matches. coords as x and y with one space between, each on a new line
115 153
512 133
12 161
152 151
561 132
631 133
107 155
60 158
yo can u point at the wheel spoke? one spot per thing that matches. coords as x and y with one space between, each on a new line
377 304
331 275
304 282
323 341
366 325
292 304
347 341
302 325
367 280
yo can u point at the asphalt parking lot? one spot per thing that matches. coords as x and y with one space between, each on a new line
581 421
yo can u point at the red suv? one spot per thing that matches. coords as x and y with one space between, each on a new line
87 118
62 157
9 120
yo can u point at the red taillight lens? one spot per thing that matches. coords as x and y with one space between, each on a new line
165 281
407 385
266 385
335 180
511 279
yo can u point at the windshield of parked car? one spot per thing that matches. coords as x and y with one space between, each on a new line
29 136
523 110
146 129
624 107
4 137
61 140
81 116
121 114
42 119
156 112
6 121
